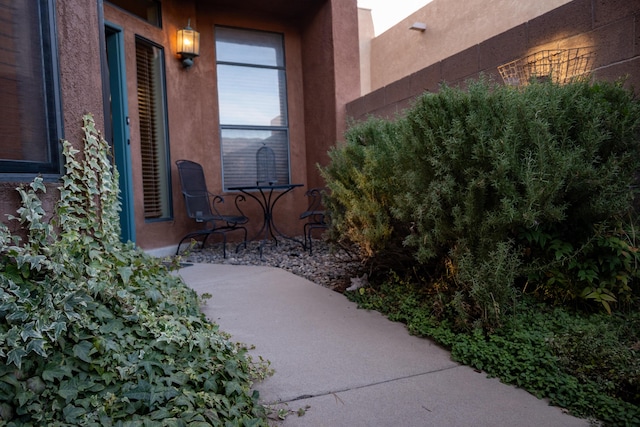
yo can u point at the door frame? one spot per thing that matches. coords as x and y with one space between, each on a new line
118 122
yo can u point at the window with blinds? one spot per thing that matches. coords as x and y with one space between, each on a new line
153 131
30 122
252 98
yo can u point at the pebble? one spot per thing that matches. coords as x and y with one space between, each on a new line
329 265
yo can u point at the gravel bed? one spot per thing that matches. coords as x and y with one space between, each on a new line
329 266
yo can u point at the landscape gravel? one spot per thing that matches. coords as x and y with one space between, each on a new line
329 265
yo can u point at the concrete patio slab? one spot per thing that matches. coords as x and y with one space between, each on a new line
353 367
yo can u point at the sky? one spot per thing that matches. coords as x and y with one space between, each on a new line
387 13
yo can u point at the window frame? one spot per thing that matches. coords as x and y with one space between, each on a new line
126 8
21 170
284 127
167 146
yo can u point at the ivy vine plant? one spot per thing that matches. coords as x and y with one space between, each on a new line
95 332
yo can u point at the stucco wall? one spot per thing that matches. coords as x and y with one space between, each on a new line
366 34
321 67
610 27
331 79
320 104
81 89
452 26
192 111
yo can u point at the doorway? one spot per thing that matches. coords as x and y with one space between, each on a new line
118 118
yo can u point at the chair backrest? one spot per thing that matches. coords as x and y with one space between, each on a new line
194 189
315 199
266 166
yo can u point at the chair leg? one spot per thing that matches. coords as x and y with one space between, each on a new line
244 241
245 237
305 231
180 244
224 245
308 238
309 231
204 241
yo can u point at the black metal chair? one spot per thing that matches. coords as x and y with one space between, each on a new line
315 216
201 206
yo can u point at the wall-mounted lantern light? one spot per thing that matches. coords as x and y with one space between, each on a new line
419 26
188 45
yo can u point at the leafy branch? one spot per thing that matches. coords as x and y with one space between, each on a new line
95 332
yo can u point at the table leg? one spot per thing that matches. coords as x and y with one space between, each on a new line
267 202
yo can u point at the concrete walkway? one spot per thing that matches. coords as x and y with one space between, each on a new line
353 367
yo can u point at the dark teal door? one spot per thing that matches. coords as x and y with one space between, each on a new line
120 127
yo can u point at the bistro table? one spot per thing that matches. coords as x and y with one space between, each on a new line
267 202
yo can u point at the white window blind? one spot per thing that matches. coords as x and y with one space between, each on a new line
252 97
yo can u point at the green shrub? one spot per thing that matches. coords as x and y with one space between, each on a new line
490 281
363 185
94 332
603 349
535 183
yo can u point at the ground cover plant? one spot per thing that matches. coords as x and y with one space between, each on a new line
587 363
489 196
94 332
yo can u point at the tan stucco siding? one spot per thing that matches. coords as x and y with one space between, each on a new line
452 26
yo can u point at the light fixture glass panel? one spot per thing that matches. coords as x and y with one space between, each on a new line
188 42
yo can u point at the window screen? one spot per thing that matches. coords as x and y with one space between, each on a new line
252 97
30 126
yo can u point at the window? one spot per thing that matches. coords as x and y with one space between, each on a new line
252 97
154 144
148 10
30 122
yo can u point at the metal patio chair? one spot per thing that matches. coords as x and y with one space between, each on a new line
315 216
202 207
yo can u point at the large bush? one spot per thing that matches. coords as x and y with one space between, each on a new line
94 332
363 185
494 186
